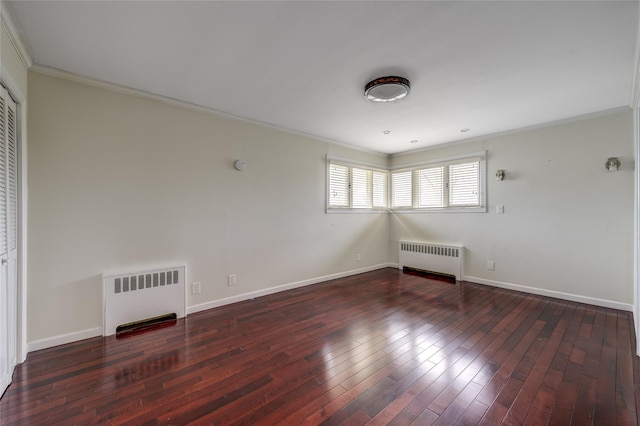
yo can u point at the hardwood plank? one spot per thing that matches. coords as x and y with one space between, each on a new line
534 377
473 414
376 348
405 417
457 408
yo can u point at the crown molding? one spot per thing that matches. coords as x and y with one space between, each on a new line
65 75
545 125
14 36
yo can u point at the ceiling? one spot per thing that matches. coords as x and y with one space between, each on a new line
302 66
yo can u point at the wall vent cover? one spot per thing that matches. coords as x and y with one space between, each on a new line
137 296
441 258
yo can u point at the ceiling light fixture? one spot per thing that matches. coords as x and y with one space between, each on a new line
386 132
387 89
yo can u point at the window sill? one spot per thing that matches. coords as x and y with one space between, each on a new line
446 210
348 210
408 210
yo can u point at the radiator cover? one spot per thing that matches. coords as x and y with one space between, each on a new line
440 258
143 294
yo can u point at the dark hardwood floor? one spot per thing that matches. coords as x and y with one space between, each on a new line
376 348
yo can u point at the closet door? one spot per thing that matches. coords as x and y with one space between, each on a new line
8 237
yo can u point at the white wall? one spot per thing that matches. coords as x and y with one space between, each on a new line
568 223
118 182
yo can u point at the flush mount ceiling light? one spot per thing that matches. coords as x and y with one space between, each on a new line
387 89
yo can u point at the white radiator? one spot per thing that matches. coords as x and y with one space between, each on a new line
439 258
141 295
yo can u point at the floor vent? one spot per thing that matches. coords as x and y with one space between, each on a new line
432 258
440 276
135 297
137 327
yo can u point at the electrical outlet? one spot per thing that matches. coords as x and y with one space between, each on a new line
195 288
231 280
491 265
358 257
500 209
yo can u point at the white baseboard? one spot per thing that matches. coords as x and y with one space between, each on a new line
252 295
97 331
552 293
62 339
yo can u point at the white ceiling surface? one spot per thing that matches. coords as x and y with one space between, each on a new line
302 66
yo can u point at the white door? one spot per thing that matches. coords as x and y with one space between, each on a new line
8 237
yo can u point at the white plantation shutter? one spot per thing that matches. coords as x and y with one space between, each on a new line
401 189
454 184
360 188
379 181
464 184
431 187
338 186
356 187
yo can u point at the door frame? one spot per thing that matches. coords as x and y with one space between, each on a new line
21 100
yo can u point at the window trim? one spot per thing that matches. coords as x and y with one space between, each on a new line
458 159
341 161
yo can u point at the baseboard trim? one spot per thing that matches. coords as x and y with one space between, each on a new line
252 295
97 331
88 333
552 293
63 339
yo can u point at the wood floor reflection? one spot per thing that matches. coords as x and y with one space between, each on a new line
377 348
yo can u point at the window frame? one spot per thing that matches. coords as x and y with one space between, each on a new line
351 164
414 168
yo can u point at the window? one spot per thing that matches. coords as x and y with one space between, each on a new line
338 186
464 184
356 187
453 184
431 187
401 189
457 184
